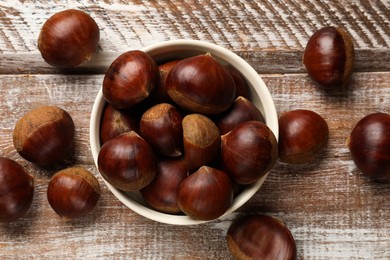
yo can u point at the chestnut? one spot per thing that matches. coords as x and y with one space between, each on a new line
115 122
73 192
206 194
16 190
200 84
161 127
68 38
161 193
242 87
127 162
44 135
201 140
130 79
249 151
329 57
369 145
303 134
259 236
160 93
241 110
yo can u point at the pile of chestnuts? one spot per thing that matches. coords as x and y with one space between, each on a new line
178 133
45 135
184 134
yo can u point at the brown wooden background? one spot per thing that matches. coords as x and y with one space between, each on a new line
332 210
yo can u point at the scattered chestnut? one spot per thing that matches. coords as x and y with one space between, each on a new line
161 127
161 193
329 57
44 135
303 134
73 192
260 237
206 194
16 190
130 79
115 122
127 162
369 145
241 110
201 84
68 38
202 140
249 151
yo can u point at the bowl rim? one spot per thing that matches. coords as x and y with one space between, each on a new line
258 86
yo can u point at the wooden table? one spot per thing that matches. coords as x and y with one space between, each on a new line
332 210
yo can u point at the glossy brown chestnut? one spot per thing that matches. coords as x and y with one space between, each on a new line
16 190
161 127
161 193
130 79
201 84
68 38
73 192
44 135
369 144
160 93
201 139
241 110
242 87
249 151
127 162
206 194
329 57
303 134
260 237
115 122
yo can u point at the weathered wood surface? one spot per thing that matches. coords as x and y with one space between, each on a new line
332 210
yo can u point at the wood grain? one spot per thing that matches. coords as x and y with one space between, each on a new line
237 25
333 211
263 61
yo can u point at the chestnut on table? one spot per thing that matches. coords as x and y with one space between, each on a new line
331 208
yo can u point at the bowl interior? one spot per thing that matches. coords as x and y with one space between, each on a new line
179 49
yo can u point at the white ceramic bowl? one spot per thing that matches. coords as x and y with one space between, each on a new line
260 96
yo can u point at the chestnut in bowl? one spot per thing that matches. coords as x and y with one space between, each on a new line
176 50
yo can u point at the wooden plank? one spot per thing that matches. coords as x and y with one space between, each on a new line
243 25
264 62
332 210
